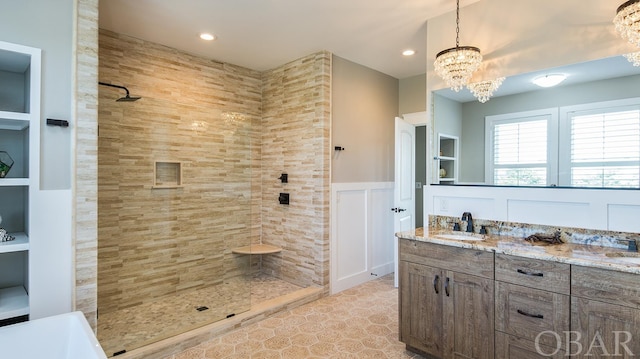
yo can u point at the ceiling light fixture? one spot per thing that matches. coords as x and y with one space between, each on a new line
627 21
456 65
409 52
207 36
483 90
633 58
549 80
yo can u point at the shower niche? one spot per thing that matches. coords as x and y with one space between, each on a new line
167 174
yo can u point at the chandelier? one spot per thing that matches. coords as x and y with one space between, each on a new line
633 58
456 65
483 90
627 21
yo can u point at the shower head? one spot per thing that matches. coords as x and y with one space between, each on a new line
126 97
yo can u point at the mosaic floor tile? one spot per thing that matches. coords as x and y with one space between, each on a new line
359 323
146 323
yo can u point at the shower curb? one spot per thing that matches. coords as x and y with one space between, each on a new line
258 312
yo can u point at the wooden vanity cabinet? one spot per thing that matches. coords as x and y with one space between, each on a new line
605 313
532 297
446 300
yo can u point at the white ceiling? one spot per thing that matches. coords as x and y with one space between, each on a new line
264 34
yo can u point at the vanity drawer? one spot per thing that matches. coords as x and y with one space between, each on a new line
534 273
526 312
606 285
512 347
463 260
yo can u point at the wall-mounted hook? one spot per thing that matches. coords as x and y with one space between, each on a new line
338 148
284 178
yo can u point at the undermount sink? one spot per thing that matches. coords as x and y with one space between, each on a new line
630 257
463 236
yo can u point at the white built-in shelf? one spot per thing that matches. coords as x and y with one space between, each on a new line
14 120
257 249
20 243
12 182
14 302
446 158
447 179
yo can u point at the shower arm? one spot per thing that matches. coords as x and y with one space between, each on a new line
116 86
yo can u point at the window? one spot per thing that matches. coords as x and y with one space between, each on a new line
602 147
519 149
592 145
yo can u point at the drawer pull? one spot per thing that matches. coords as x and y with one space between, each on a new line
537 316
533 274
446 286
436 283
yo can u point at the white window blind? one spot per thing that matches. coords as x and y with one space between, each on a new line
519 153
605 148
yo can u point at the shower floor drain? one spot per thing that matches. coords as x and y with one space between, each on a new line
202 308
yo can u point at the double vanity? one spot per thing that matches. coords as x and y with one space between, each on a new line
497 295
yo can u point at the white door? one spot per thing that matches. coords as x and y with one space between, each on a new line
404 187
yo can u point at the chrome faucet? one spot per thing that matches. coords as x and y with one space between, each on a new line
466 216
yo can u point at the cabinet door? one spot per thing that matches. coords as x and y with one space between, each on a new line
468 312
421 308
603 330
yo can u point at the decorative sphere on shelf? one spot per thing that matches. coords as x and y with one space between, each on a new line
443 173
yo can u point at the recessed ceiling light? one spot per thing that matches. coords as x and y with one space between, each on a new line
408 52
207 36
549 80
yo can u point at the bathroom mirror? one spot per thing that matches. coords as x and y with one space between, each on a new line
470 150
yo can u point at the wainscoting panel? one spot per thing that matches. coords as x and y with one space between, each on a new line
361 233
624 217
602 209
351 226
553 213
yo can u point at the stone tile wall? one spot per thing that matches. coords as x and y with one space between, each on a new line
202 114
284 117
85 183
296 128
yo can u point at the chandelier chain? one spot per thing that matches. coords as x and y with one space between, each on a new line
457 23
456 65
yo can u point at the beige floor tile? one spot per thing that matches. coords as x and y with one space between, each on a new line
359 323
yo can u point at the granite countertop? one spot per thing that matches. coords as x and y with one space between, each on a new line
571 253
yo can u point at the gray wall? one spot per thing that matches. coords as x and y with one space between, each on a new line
364 105
448 115
48 25
473 114
413 94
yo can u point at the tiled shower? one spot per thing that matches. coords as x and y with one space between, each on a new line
189 172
